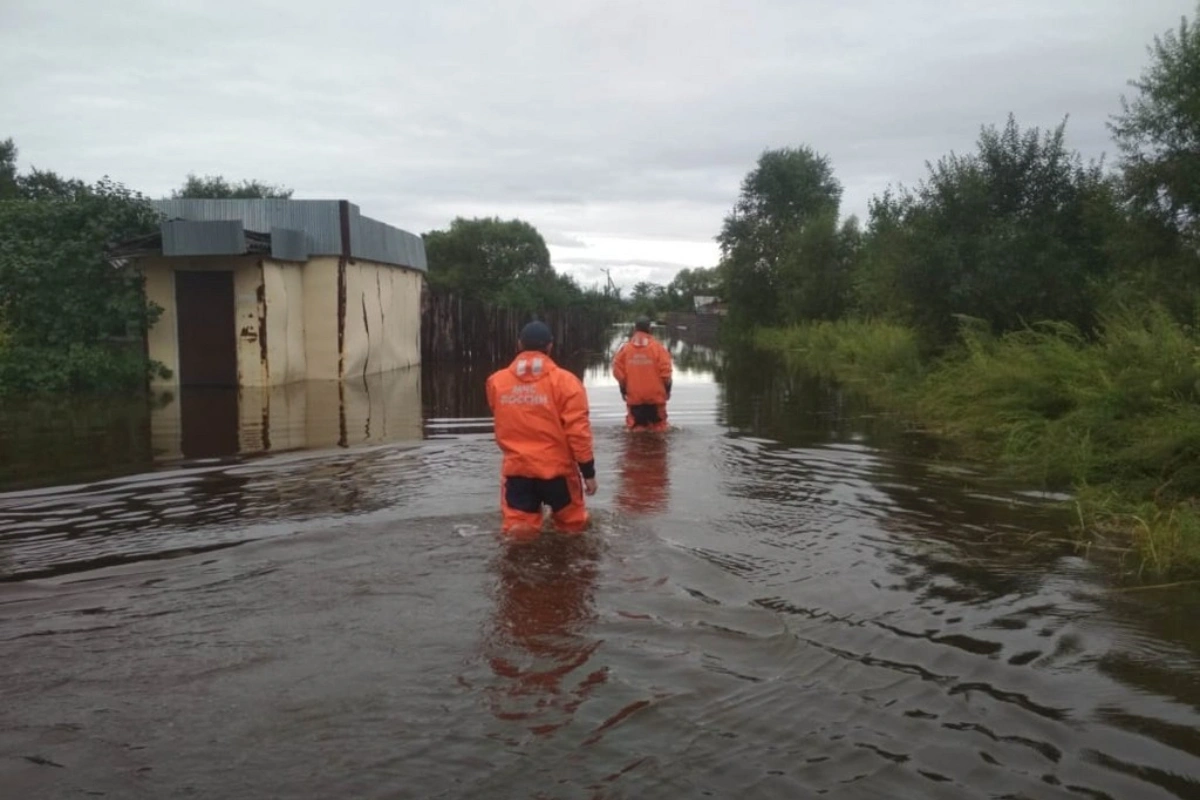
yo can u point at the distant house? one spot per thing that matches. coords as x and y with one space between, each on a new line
268 292
705 304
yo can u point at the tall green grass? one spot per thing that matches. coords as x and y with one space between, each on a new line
851 351
1115 417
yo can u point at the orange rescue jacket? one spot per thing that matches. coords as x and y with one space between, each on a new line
643 369
541 419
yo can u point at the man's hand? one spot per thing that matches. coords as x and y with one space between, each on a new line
621 386
589 485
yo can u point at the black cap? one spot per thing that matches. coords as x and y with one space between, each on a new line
642 323
536 336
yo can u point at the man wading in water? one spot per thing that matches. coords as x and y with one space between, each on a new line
542 426
642 368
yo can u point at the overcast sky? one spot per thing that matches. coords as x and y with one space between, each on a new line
620 128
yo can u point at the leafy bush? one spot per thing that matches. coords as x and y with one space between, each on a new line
62 300
73 368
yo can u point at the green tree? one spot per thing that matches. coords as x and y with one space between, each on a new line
648 298
886 244
815 271
61 299
8 170
217 187
484 258
1158 132
787 191
533 294
643 295
1014 233
1158 136
36 184
45 185
690 283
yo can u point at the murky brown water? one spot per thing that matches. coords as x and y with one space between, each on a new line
784 597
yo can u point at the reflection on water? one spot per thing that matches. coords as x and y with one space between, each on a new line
203 423
538 644
691 358
645 473
207 422
76 439
200 504
787 595
58 440
761 398
456 391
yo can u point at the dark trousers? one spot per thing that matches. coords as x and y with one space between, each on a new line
521 501
644 415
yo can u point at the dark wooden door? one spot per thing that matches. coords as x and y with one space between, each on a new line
207 339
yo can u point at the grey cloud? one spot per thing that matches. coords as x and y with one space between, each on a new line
589 118
624 276
555 239
619 263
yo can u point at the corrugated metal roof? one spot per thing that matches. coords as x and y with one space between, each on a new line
374 241
288 244
190 238
214 238
318 221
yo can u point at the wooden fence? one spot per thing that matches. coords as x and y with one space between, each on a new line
457 329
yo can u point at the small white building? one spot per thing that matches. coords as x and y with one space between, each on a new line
706 304
270 292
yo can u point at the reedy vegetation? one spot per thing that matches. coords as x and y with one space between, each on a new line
1028 307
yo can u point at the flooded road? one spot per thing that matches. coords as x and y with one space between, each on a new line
785 596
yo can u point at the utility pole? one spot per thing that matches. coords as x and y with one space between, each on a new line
611 289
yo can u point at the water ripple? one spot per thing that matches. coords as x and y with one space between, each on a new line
781 597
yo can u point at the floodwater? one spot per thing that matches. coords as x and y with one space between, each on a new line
303 595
